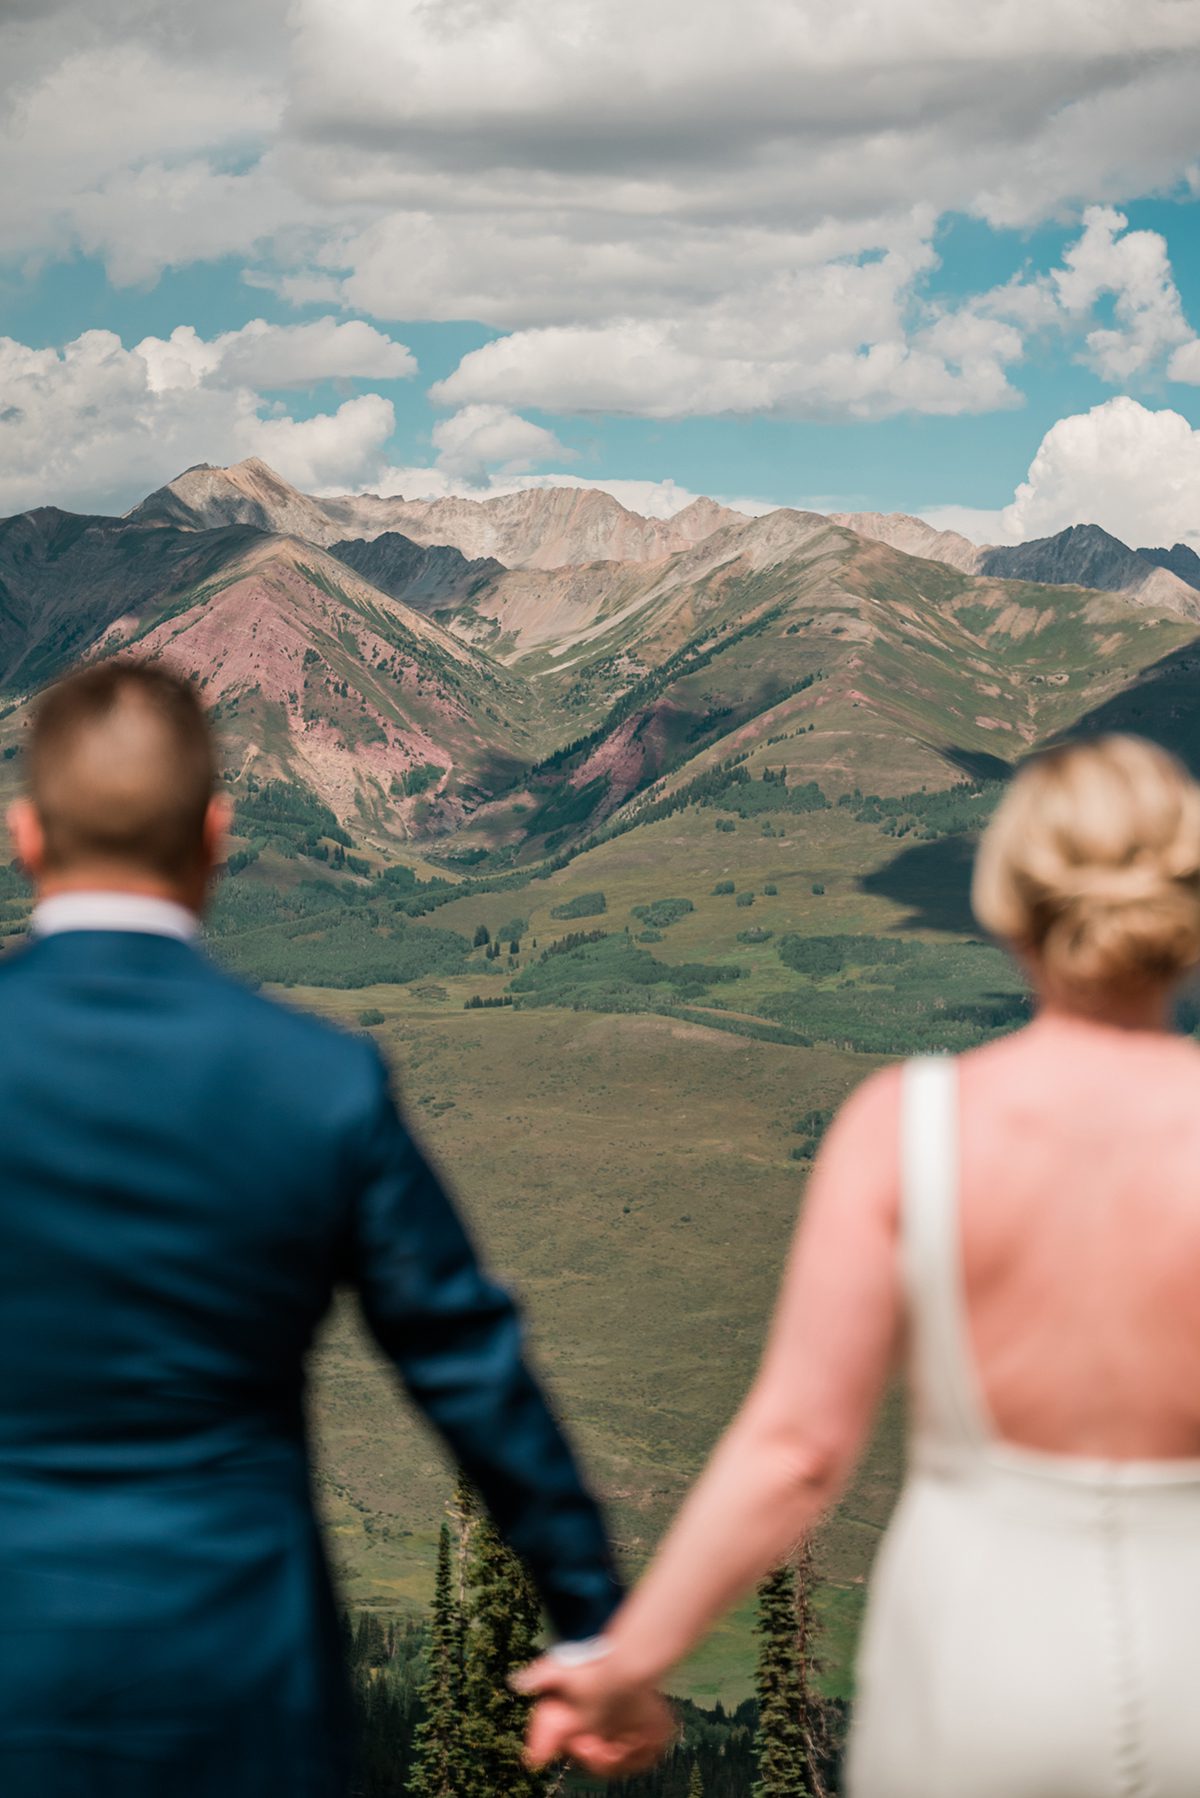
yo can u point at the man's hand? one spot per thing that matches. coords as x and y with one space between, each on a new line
589 1715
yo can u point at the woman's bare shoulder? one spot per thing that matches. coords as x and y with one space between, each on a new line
862 1145
876 1097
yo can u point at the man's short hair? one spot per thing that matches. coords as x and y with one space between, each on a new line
122 766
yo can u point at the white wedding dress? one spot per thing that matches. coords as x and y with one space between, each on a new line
1033 1626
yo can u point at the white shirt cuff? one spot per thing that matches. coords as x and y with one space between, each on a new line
579 1654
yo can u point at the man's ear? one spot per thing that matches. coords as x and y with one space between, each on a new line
217 821
27 837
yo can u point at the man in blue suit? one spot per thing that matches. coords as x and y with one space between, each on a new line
187 1171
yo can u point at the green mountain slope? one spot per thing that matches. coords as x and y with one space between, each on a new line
881 670
313 675
66 578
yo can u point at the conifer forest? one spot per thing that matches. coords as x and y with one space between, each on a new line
435 1717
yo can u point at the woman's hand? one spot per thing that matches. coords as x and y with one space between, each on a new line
591 1715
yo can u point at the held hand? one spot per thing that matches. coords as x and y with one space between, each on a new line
588 1715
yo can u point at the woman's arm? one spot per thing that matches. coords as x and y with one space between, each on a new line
792 1445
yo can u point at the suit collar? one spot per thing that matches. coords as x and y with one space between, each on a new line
102 954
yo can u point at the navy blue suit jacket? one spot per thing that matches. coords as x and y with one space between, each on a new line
187 1171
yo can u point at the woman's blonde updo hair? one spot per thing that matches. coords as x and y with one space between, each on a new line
1091 865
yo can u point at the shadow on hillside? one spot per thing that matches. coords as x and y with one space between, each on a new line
498 772
976 764
1162 703
933 880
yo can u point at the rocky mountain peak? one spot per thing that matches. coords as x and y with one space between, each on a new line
1180 560
1086 555
912 535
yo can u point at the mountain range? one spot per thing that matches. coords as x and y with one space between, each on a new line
499 677
1083 555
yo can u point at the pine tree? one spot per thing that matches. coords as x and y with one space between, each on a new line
502 1631
370 1641
464 1514
696 1782
780 1749
814 1712
438 1759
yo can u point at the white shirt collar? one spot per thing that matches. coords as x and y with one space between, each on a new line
113 911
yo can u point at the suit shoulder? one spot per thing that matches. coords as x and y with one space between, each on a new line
285 1031
13 961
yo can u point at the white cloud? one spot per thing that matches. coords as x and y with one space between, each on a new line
330 452
519 265
614 159
804 108
851 339
107 103
482 438
95 425
721 208
848 338
1184 365
166 215
271 356
680 209
824 340
1134 268
1134 471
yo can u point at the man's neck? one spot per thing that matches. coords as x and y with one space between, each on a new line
144 886
190 889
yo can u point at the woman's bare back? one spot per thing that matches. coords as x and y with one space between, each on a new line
1080 1184
1079 1216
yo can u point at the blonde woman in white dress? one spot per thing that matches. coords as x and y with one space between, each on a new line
1019 1229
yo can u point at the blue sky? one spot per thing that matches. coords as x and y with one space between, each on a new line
896 307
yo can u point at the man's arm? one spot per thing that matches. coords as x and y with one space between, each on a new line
456 1339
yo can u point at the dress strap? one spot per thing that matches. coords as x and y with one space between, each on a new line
932 1254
